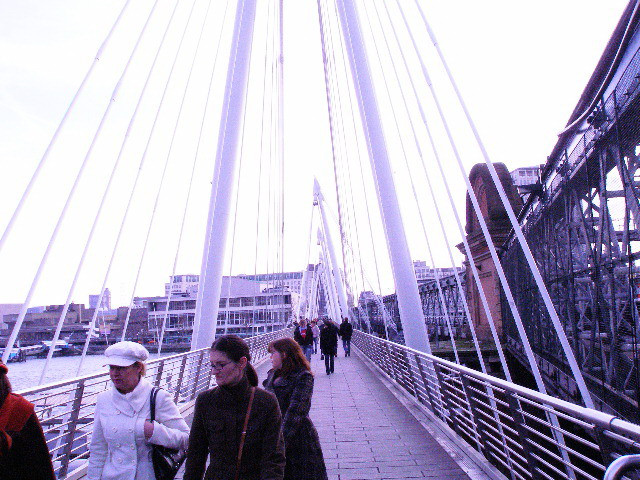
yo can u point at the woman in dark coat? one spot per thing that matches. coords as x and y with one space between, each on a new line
292 382
329 344
23 448
219 418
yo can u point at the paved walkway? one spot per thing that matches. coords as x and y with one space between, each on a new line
367 433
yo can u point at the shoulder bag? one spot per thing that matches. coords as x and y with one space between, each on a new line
166 461
244 432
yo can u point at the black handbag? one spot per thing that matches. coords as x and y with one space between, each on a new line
166 461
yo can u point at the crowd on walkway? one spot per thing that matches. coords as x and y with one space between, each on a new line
325 333
245 432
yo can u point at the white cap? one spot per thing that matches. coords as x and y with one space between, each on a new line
123 354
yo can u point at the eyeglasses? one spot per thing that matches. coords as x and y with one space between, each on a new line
219 366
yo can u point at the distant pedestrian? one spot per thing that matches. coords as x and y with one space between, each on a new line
316 334
291 381
303 334
329 344
346 331
23 448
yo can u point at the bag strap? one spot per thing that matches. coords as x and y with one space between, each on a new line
154 394
244 432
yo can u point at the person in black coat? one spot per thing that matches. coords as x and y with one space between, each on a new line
291 381
346 331
329 344
23 449
303 334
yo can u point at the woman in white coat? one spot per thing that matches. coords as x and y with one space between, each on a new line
122 433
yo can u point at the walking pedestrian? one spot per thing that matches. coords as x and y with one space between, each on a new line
23 448
346 331
315 329
222 416
291 381
122 434
303 334
329 344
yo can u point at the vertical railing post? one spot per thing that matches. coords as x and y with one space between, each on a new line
519 422
483 443
427 388
71 429
156 382
180 377
446 397
197 377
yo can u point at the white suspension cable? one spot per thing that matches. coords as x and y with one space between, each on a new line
551 309
127 208
461 291
540 383
193 169
443 303
43 261
54 138
164 171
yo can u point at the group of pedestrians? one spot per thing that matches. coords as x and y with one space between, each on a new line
310 334
244 432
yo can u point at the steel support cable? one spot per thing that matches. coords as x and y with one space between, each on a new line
474 270
129 202
54 138
427 177
204 116
306 264
164 169
85 161
274 175
260 161
330 109
386 316
461 291
244 113
540 383
98 215
329 101
344 230
553 314
193 169
413 188
364 189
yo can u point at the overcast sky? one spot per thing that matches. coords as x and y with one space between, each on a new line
521 67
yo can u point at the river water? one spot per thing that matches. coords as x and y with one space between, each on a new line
27 374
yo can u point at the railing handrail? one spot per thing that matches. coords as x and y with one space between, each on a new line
601 419
66 408
62 383
522 432
621 465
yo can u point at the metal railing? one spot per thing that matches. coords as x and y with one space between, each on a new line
508 424
65 409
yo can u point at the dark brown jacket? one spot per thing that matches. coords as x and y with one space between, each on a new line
23 449
217 425
303 451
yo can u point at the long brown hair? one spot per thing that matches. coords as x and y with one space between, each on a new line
235 348
292 357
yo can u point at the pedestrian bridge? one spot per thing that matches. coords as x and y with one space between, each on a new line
387 412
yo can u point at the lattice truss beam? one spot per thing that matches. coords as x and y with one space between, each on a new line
584 233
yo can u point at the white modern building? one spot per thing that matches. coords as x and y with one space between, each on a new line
246 308
525 176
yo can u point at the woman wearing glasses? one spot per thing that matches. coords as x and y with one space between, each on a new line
235 424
